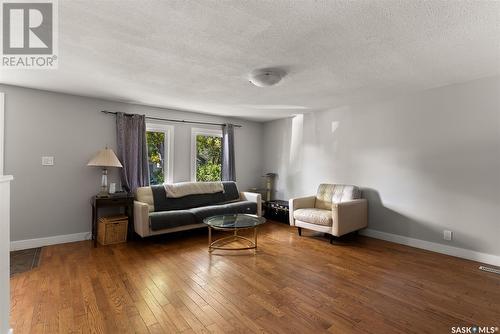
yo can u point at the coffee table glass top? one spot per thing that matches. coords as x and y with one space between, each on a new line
234 221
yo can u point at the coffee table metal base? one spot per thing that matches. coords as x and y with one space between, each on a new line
220 243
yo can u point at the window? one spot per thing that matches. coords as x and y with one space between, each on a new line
159 139
206 155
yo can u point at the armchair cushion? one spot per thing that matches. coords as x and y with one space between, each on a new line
314 216
335 193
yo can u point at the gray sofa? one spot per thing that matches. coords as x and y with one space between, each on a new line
154 213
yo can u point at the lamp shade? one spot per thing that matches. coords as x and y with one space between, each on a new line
105 158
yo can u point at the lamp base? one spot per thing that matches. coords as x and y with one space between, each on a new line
103 194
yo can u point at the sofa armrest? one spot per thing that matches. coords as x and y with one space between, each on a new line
349 216
253 197
300 203
141 218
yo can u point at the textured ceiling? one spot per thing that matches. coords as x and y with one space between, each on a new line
195 55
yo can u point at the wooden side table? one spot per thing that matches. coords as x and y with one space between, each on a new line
119 200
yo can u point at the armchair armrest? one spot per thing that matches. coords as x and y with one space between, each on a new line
141 218
253 197
300 203
349 216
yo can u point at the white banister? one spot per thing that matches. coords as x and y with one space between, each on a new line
4 253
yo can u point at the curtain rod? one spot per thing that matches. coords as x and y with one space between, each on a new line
173 120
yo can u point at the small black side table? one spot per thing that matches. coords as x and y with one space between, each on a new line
277 210
123 200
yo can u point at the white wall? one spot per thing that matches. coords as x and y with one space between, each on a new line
50 201
428 162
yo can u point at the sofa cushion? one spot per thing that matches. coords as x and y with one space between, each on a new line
169 219
314 216
175 218
162 203
222 209
335 193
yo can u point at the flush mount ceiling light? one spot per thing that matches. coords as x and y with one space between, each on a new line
266 77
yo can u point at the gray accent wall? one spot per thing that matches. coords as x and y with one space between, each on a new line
55 200
427 162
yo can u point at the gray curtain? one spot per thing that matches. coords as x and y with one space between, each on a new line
228 169
132 150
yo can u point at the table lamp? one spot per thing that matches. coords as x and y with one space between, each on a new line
105 158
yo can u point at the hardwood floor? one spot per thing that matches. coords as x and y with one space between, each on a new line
291 285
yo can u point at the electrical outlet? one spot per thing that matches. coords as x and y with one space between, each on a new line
47 161
447 235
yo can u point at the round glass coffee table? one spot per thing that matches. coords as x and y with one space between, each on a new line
233 223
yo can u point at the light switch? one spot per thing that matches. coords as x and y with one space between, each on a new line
47 161
447 235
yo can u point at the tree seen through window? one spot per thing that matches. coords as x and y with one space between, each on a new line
156 156
208 158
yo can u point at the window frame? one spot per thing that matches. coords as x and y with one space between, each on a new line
168 130
200 132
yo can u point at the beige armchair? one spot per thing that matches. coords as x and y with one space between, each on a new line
336 209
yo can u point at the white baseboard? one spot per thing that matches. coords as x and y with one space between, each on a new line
434 247
40 242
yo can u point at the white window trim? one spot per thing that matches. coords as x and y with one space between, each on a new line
169 146
197 132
